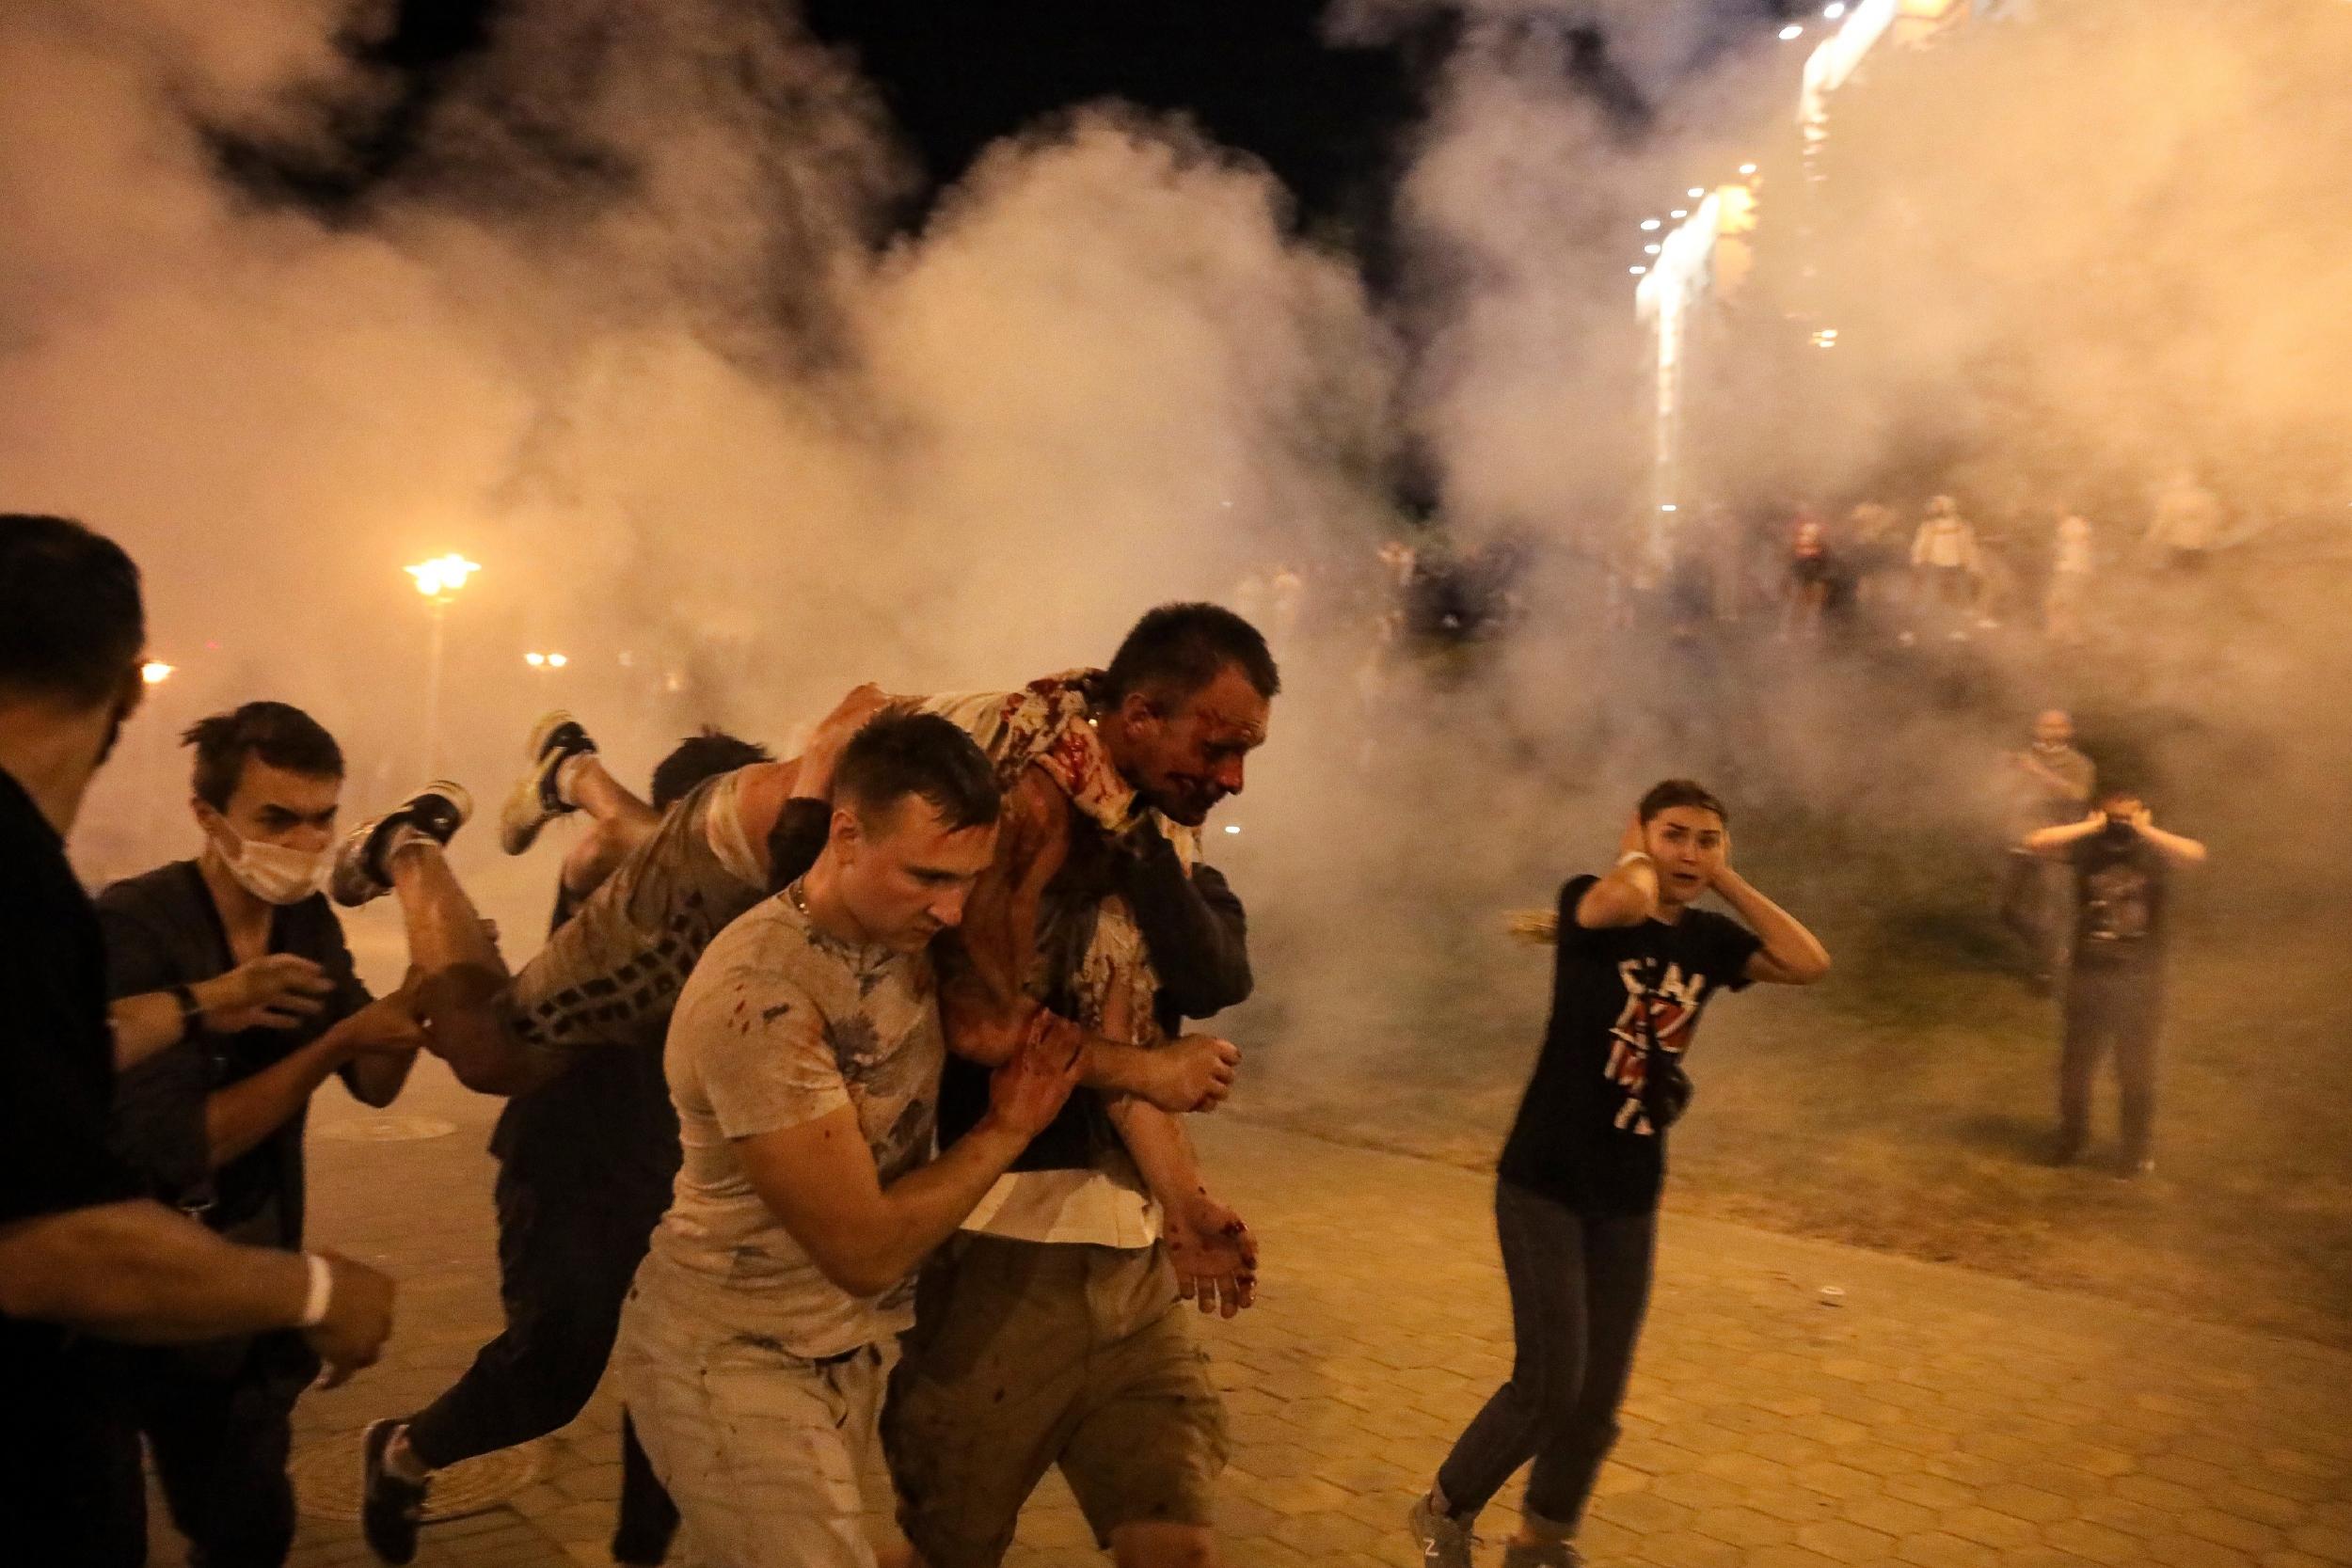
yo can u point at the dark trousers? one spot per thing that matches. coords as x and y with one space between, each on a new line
2037 903
1579 1289
568 1251
2116 1007
71 1494
219 1422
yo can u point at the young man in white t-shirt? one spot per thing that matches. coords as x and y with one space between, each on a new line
803 1059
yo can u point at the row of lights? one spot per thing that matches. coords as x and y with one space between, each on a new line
1651 226
1795 30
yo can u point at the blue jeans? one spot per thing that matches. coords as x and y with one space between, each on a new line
1579 1287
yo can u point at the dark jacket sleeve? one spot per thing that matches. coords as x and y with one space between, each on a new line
1194 926
796 840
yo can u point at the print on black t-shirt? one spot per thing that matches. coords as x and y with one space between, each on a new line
2119 888
1586 1135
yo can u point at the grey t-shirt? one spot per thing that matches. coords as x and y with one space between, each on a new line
780 1025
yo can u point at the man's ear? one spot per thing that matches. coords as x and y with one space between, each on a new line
1137 709
845 833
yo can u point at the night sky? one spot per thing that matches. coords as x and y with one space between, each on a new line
1257 75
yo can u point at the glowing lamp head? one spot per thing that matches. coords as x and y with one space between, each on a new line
443 575
1791 33
156 671
1649 226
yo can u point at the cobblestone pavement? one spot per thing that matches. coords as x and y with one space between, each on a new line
1797 1404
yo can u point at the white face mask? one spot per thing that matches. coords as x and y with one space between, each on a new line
273 873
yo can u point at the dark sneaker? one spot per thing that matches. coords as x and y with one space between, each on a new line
390 1507
1444 1541
534 801
1548 1554
2068 1150
2139 1169
437 811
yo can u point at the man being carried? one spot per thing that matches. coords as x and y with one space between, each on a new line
805 1061
215 1122
1050 1332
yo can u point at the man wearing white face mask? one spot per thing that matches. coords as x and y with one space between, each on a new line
242 958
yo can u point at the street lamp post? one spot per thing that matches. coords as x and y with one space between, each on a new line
439 580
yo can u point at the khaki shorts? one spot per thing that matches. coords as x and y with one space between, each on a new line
761 1449
1028 1355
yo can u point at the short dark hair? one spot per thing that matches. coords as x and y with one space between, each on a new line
72 624
280 733
1177 649
2126 790
899 754
704 754
1671 793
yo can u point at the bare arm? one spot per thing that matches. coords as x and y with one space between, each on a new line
278 990
1628 895
1792 955
1215 1255
820 1181
2054 841
380 1039
2172 847
983 998
143 1274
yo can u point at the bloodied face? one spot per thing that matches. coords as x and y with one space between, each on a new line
1184 755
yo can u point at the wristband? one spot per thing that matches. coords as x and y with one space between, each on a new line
191 1010
321 1290
1633 855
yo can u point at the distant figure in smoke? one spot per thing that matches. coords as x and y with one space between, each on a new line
1943 553
2052 783
585 1164
1576 1202
2071 563
2122 862
214 1117
2186 524
1811 577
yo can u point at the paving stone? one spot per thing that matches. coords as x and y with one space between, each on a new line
1940 1420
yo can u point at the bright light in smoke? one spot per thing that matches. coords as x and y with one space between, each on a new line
545 661
535 660
1649 250
1695 192
1832 12
1747 168
156 671
442 576
1679 213
1791 33
1637 270
1649 226
1232 826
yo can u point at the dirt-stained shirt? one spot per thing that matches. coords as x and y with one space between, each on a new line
782 1023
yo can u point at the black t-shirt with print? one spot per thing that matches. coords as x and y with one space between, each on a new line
1582 1137
2119 898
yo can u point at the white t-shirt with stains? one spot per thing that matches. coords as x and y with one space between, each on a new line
781 1024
